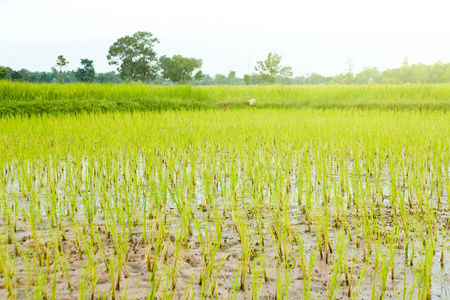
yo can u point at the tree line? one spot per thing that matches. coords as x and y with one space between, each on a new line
136 61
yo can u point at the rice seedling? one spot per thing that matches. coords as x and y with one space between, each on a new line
250 203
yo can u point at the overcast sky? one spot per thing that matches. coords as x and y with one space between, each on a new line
312 36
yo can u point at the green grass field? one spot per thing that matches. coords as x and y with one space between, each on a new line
31 99
349 201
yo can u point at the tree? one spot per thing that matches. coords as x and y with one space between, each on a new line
436 72
247 79
199 76
349 75
256 79
207 80
3 72
16 76
388 77
61 62
286 72
316 79
299 80
270 68
109 77
45 77
285 76
87 73
231 76
178 68
25 75
404 73
219 78
135 56
33 78
368 76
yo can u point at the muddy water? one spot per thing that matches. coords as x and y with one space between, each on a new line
91 189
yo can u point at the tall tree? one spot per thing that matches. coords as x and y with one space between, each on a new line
247 79
232 76
349 75
178 68
134 56
61 62
269 68
199 76
87 73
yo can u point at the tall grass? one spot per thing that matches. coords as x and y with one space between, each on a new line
27 98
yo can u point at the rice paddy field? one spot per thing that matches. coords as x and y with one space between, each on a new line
343 198
18 98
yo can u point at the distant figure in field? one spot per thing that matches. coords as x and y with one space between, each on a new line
225 105
229 104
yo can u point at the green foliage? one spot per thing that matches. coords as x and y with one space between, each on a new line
61 62
135 56
199 75
368 76
247 79
438 73
286 72
109 77
178 68
87 73
220 79
418 73
231 76
3 72
269 68
349 77
16 76
317 79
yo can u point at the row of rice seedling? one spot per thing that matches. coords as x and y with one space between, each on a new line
241 204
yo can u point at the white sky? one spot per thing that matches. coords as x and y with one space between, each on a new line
312 36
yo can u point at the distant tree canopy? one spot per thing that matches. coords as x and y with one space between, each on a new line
269 68
414 74
368 76
16 76
137 61
109 77
3 72
178 68
134 56
87 72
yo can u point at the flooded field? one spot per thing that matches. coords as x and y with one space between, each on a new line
241 204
